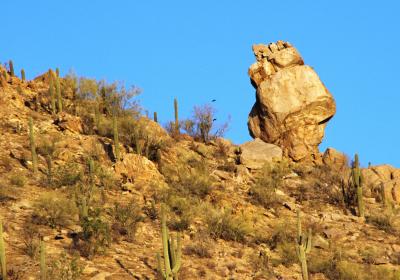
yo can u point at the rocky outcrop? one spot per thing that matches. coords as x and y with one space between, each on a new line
292 105
254 154
383 178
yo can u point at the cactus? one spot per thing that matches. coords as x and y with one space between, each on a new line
171 250
33 146
358 182
23 75
303 247
3 254
51 91
11 65
43 266
58 93
57 72
116 138
155 117
176 116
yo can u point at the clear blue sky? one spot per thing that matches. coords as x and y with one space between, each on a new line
200 50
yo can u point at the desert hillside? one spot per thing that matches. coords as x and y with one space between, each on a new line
87 181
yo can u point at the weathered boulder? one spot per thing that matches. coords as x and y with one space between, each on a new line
254 154
292 104
384 178
335 159
138 171
69 122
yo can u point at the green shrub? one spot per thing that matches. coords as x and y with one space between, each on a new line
17 179
386 221
67 175
53 209
65 268
270 179
95 233
126 218
228 226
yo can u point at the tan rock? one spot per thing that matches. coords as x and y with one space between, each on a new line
69 122
137 172
334 158
256 153
293 106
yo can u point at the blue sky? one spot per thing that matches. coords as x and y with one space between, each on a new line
200 50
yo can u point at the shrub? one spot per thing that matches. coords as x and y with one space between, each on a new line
386 221
200 247
202 124
95 233
67 175
17 179
195 181
65 268
228 226
31 240
126 218
54 210
270 179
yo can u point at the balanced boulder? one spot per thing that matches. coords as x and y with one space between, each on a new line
292 105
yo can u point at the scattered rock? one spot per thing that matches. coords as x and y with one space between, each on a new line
256 153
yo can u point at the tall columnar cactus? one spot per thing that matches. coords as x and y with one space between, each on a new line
176 116
3 254
52 92
33 146
23 75
58 93
172 252
155 117
11 65
116 138
303 247
43 266
358 182
57 72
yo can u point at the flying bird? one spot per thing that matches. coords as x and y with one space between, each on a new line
213 100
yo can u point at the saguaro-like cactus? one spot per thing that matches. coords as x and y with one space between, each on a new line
23 75
33 146
51 91
172 252
11 65
58 72
3 254
43 266
58 93
303 247
176 116
358 182
155 117
116 138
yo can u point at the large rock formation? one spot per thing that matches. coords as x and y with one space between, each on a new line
292 104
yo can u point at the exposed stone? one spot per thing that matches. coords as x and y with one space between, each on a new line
293 106
256 153
69 122
383 177
334 158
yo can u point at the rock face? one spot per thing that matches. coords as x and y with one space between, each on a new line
386 178
292 105
256 153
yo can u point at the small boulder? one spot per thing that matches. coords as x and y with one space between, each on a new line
254 154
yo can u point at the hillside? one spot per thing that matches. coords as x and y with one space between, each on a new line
95 199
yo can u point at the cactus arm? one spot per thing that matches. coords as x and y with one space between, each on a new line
165 241
43 268
3 254
159 266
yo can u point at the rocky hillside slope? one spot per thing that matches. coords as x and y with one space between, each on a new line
94 199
